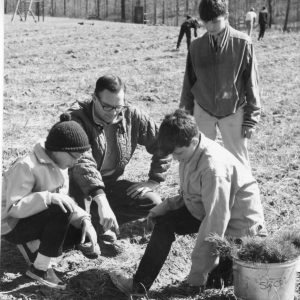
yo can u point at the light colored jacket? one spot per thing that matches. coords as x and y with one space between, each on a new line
220 192
27 188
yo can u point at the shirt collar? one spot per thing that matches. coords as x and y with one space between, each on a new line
41 155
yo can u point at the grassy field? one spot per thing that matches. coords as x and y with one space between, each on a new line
50 65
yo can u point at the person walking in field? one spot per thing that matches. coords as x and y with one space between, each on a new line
250 20
220 86
185 29
37 213
263 22
115 130
218 195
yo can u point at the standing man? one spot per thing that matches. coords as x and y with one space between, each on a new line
250 20
185 29
218 195
263 22
220 86
114 130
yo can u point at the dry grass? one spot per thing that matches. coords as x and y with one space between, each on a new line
50 65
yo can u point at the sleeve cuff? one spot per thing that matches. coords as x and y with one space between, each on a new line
96 192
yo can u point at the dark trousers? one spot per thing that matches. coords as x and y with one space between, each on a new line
180 222
187 32
262 29
124 207
51 227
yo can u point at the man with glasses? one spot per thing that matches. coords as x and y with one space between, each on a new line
114 130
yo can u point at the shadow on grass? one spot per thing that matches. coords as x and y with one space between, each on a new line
94 284
181 291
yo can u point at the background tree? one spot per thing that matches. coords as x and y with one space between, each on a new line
123 16
270 4
287 15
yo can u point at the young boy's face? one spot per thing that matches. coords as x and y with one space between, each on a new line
65 160
216 25
184 153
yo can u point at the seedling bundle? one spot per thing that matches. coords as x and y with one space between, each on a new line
263 268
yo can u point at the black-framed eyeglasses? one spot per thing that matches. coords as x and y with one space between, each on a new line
109 108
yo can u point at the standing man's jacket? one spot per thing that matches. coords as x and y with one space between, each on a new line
263 17
189 24
222 80
132 129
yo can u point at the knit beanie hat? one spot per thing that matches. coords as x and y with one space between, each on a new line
67 136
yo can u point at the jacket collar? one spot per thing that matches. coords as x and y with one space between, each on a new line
41 155
223 36
202 145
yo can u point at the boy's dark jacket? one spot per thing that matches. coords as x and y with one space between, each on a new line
134 128
222 81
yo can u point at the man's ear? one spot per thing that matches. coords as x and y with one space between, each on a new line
195 141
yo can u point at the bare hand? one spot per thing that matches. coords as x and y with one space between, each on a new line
89 231
107 216
247 132
63 201
108 219
139 189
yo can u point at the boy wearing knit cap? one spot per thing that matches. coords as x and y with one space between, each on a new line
37 213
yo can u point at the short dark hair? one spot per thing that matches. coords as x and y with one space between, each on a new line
211 9
176 130
109 82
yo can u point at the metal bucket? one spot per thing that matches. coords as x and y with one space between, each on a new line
258 281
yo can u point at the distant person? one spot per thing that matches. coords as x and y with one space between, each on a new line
218 195
185 29
38 215
115 130
250 20
263 22
220 86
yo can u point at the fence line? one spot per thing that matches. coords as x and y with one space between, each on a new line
168 12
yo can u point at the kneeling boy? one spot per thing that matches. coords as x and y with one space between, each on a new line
218 195
37 212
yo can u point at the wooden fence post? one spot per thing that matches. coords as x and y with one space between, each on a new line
286 19
177 12
52 10
98 9
65 12
106 9
123 12
154 12
163 12
186 7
